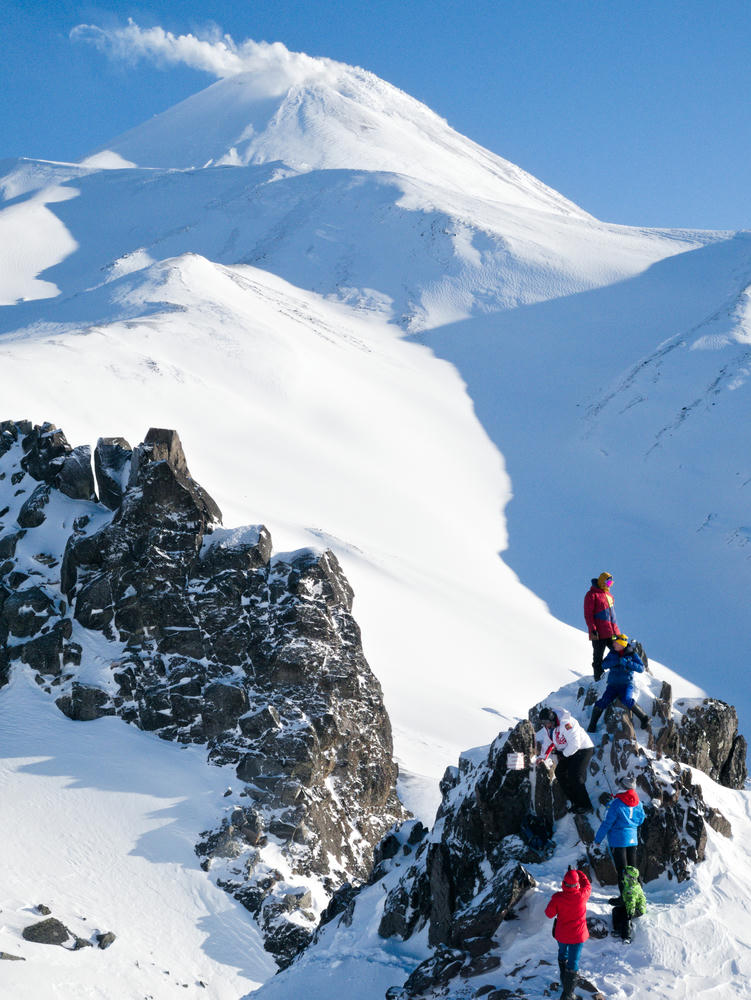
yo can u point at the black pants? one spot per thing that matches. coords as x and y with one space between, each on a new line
598 651
571 772
623 856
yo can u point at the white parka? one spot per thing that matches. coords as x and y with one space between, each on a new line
566 738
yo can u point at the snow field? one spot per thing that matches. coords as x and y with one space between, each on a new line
308 417
99 822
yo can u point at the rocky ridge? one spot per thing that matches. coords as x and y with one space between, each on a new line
201 635
475 870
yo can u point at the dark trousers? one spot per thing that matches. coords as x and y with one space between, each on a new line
623 856
598 651
571 772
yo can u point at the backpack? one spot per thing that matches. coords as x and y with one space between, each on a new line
537 833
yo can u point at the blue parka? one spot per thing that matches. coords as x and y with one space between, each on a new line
622 666
622 821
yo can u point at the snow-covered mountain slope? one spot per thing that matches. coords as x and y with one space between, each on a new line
331 429
98 824
331 117
636 416
420 254
551 317
593 384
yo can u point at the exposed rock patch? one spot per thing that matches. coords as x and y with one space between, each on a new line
52 931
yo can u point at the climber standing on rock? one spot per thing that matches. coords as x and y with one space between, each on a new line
561 732
622 662
621 825
569 908
599 614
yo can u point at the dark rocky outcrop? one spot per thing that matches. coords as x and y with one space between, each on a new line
85 703
470 874
49 931
215 640
49 459
32 512
709 739
112 457
54 931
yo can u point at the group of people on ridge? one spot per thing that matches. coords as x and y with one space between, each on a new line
562 734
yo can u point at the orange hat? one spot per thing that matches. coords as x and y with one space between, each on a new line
602 580
621 641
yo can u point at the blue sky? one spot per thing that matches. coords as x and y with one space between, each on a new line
638 111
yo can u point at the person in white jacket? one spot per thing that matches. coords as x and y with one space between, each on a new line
562 734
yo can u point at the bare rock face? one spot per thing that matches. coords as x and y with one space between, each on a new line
709 740
468 878
215 640
50 459
112 458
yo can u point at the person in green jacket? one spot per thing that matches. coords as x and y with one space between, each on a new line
631 903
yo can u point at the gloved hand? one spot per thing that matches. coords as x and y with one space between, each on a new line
593 635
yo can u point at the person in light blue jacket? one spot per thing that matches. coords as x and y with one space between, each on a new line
621 825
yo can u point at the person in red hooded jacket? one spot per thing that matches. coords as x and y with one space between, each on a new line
569 907
599 614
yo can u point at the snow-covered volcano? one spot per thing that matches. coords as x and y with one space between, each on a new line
372 334
332 117
607 366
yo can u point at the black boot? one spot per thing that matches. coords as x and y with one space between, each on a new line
596 713
641 716
570 979
561 969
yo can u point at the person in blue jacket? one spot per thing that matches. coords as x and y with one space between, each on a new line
622 662
621 825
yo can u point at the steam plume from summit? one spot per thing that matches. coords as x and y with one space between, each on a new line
276 68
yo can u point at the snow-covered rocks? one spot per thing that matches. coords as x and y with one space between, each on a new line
141 612
479 868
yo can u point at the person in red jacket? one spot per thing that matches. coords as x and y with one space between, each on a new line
569 907
599 614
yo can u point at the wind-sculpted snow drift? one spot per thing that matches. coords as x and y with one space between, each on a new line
141 606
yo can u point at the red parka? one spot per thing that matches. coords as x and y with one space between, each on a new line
599 613
569 906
